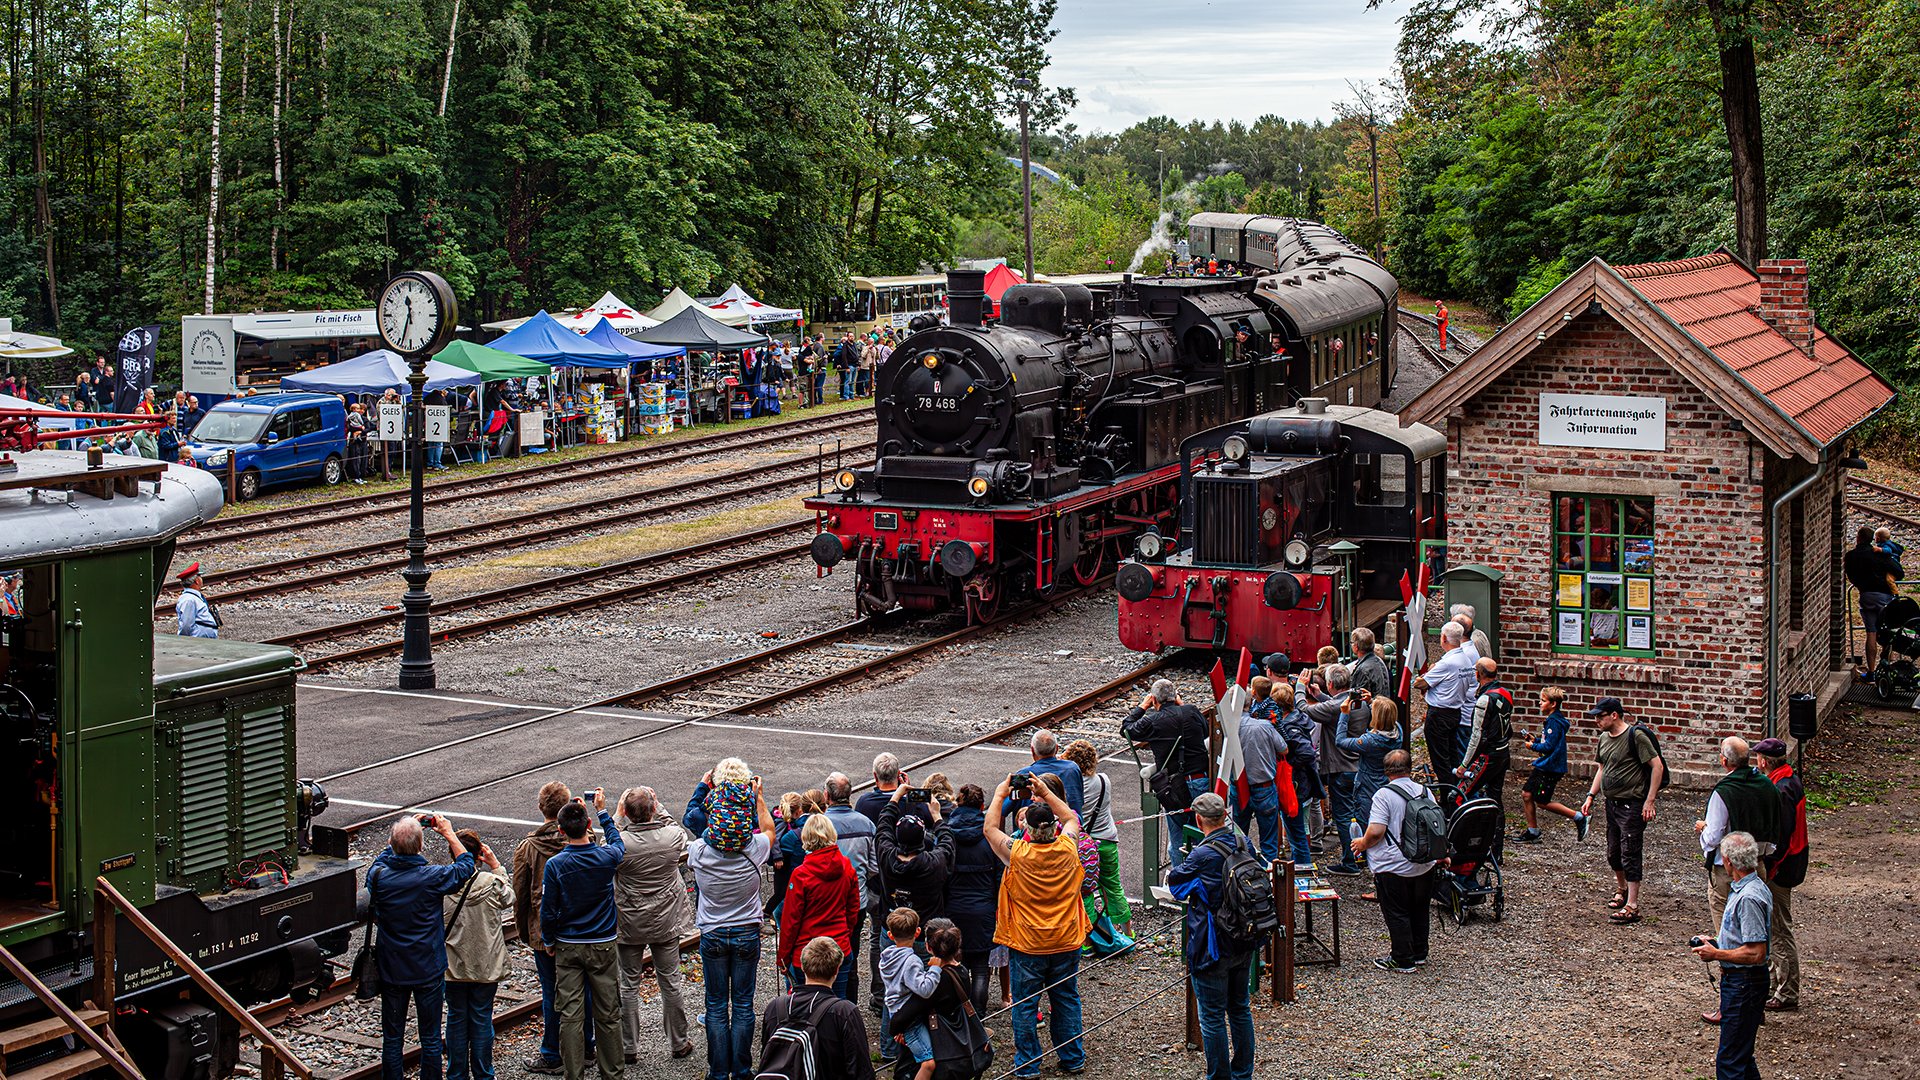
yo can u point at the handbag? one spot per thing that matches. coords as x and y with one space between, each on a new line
962 1048
366 963
1168 787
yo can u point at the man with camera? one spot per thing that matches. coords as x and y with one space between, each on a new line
579 927
1741 949
1177 734
1041 920
403 894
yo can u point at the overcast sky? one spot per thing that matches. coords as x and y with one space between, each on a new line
1216 59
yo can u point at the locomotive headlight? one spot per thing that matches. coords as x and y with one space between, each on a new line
1150 546
931 361
1235 448
1297 552
844 480
977 487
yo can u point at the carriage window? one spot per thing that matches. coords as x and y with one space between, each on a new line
1603 557
1379 480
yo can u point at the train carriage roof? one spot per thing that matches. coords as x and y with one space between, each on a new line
1320 297
52 507
1420 440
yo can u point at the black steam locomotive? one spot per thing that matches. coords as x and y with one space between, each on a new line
1014 453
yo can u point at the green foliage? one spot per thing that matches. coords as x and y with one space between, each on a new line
1093 227
1221 194
1537 282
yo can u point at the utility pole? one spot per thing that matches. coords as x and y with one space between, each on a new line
1025 87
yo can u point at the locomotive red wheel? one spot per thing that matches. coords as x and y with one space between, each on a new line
983 600
1092 560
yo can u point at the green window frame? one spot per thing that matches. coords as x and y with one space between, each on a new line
1604 573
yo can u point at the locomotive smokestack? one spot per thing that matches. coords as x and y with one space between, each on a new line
966 297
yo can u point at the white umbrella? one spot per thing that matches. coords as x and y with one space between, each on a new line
31 346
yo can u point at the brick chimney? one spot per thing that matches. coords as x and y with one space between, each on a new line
1783 301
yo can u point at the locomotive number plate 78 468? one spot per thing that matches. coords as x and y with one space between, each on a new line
941 403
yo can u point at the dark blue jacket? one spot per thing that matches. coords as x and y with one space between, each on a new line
1552 744
1201 882
973 889
576 889
406 892
695 819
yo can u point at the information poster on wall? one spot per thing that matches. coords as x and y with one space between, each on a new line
439 423
1570 595
393 422
1637 556
1640 594
1640 632
1572 629
533 428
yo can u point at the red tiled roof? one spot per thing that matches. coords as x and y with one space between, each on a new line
1713 298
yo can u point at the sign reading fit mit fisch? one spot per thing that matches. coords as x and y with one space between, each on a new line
1603 421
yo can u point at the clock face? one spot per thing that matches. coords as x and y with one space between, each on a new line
411 315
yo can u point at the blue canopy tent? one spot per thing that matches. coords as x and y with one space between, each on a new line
374 373
603 333
543 337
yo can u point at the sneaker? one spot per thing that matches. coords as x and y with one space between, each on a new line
1349 870
1420 963
1581 823
1385 963
539 1064
1527 836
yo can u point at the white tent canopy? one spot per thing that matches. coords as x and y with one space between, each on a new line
620 314
736 307
676 302
31 346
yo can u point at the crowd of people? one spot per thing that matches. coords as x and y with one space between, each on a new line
943 884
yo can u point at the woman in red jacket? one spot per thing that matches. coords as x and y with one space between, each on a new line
823 900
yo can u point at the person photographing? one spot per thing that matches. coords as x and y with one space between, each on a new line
1741 951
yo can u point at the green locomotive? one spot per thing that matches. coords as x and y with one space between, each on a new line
163 764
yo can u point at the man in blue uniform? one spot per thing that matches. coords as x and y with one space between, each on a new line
197 617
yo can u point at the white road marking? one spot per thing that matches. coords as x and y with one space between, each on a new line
336 801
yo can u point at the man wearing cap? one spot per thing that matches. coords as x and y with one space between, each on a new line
1177 734
1785 869
1629 773
196 616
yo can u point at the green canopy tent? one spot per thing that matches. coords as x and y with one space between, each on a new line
491 364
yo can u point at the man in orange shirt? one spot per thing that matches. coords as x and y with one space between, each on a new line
1042 921
1440 314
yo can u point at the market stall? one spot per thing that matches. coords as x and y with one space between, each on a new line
710 386
376 373
544 338
490 429
616 405
736 307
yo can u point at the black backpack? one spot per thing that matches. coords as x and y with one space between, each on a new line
1423 827
1246 913
789 1052
1666 770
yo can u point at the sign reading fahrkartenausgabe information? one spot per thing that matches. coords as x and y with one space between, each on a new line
1603 421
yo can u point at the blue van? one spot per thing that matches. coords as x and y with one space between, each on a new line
276 439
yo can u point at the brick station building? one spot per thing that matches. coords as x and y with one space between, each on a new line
1615 451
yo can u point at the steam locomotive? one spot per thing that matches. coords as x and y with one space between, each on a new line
1018 454
1295 528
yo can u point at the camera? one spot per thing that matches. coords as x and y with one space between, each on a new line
428 820
918 795
1021 783
1696 941
590 794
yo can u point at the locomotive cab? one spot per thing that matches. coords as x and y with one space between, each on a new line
1295 527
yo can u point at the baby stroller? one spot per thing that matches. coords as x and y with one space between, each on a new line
1898 675
1472 882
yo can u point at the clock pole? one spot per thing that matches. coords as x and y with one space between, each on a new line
416 654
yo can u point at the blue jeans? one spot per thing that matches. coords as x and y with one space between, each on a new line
428 1000
1340 798
1178 819
1297 836
433 454
846 384
1263 806
470 1030
877 926
1223 998
1030 974
550 1020
1743 995
729 957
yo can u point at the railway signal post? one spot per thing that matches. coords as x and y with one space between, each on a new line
417 316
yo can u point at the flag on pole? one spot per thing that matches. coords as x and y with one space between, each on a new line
1413 593
1230 778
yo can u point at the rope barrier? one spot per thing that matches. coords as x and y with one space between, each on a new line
1079 971
1180 981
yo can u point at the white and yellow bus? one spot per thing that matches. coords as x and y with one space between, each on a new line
880 302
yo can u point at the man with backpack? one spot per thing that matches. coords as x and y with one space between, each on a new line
1407 835
1177 733
1486 756
812 1034
1230 914
1631 773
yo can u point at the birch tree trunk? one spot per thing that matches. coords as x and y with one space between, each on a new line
42 202
213 172
279 157
446 83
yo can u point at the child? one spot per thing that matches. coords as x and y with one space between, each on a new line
1263 706
905 975
1548 769
1883 539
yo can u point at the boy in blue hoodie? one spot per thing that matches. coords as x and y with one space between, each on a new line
1549 767
906 974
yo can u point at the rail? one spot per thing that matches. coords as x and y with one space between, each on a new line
276 1058
94 1040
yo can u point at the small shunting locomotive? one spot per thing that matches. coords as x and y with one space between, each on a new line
1296 526
1019 454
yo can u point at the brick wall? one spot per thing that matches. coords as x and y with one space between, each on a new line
1709 488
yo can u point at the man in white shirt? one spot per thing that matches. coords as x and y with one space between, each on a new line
1477 640
1405 888
1449 685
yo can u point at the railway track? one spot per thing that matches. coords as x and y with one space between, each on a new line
375 556
1883 502
1418 328
359 507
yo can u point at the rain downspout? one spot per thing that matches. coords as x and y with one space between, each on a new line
1773 590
